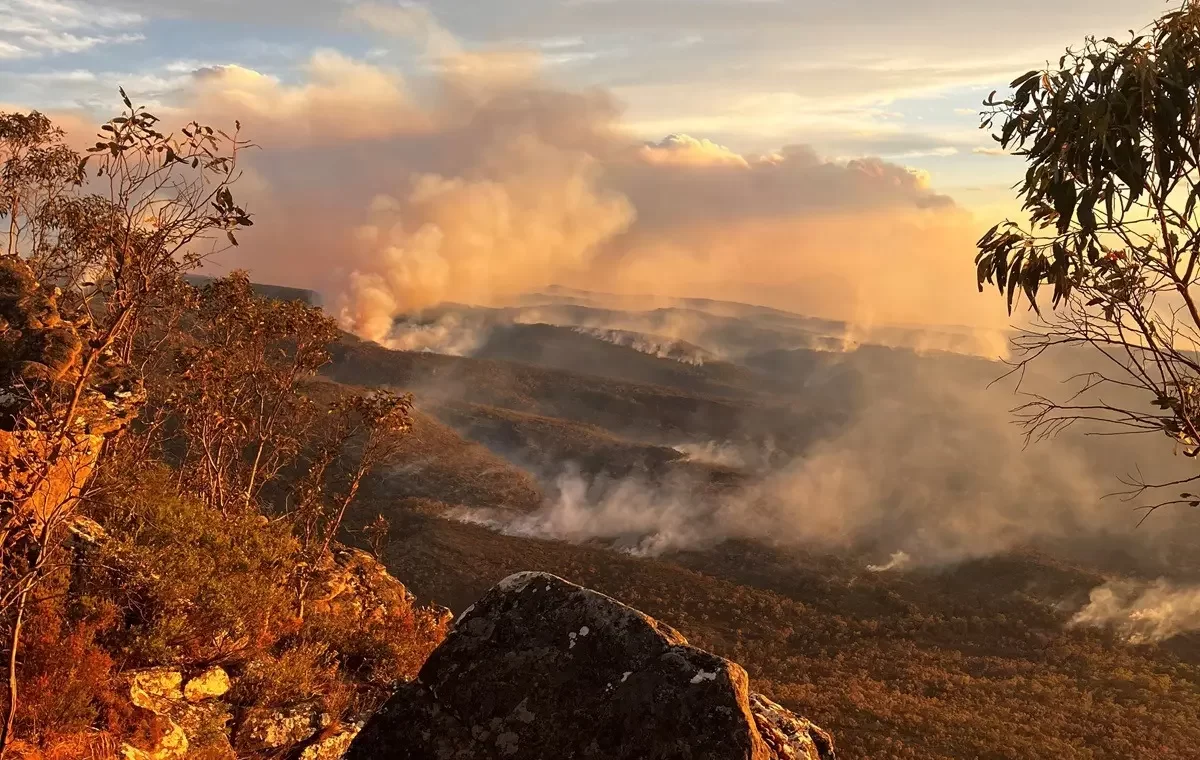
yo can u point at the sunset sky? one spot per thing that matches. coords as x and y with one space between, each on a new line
897 81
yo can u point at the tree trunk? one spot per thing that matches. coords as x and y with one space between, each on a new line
6 730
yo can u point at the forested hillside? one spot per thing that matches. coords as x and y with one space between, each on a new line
234 524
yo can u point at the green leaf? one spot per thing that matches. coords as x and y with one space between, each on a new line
1064 196
1086 212
1024 77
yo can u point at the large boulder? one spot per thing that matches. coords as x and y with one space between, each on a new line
542 668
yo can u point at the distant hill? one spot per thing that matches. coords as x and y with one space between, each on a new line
968 659
280 292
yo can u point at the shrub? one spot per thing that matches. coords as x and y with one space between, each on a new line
192 586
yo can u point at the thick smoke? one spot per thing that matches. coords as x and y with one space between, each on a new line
697 330
628 515
898 561
1143 612
478 178
713 452
928 466
533 208
450 334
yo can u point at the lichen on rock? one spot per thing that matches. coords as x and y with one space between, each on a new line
543 668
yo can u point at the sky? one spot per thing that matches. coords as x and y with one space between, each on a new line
706 83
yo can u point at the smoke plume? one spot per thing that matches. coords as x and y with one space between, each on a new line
898 561
927 465
654 345
1143 612
630 516
478 177
449 334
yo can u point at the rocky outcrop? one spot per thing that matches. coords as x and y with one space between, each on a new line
157 691
350 581
278 729
44 463
541 668
193 714
189 716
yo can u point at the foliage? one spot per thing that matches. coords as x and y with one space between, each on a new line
108 256
373 427
1112 142
192 586
233 389
216 515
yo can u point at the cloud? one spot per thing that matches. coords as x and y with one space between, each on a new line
34 28
991 152
408 21
866 240
749 75
684 150
341 99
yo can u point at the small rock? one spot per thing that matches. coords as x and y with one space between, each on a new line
173 744
207 727
156 689
281 728
334 746
210 684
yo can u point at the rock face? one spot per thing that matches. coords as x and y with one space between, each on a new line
351 582
41 473
541 668
194 715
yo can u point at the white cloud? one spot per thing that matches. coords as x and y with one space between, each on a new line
34 28
680 149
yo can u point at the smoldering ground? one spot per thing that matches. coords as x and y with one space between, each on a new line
928 462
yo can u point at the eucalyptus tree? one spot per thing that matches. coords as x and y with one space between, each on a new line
1107 256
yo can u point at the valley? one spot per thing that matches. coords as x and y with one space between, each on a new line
551 450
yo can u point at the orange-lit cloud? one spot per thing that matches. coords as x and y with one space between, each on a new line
484 180
341 100
685 150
